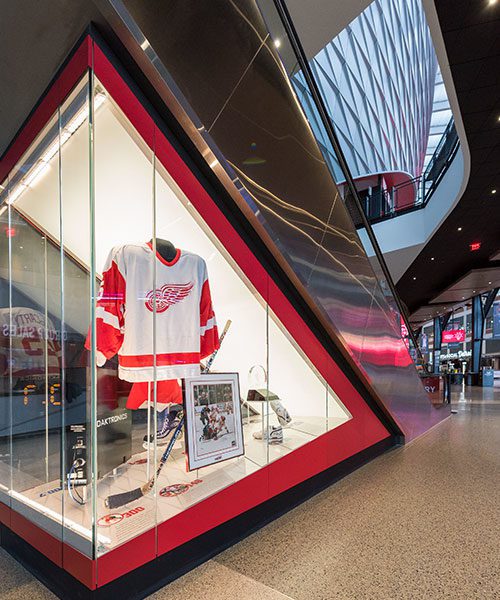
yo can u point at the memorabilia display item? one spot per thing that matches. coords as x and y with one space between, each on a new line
269 433
215 430
273 435
117 500
126 497
167 422
181 304
167 391
283 415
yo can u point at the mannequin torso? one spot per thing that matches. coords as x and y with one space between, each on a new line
165 249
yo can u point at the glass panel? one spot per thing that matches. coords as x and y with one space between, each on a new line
48 297
35 332
6 232
243 351
127 418
76 259
301 406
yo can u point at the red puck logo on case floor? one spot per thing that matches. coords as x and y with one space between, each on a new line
167 295
178 488
109 520
114 518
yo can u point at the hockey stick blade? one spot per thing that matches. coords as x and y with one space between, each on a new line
118 500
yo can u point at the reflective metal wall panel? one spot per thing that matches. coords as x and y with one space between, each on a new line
226 68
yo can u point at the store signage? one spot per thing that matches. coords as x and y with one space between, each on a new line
431 384
459 354
475 246
453 336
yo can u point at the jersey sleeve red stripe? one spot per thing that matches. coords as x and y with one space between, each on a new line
209 335
110 312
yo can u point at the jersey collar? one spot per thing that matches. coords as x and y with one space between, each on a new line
161 259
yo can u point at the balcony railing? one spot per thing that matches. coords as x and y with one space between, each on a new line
415 193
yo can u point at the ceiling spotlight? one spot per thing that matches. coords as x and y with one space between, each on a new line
492 2
432 258
414 279
277 43
459 229
489 282
493 191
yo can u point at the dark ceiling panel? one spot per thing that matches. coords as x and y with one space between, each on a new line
465 13
35 38
428 312
472 40
475 282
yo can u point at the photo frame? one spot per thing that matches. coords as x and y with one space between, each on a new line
214 428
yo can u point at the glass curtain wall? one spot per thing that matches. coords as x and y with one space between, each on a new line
99 247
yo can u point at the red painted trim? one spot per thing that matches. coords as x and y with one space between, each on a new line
45 543
67 80
299 465
226 504
161 259
4 514
80 566
126 558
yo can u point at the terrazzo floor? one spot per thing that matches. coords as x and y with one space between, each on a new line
421 521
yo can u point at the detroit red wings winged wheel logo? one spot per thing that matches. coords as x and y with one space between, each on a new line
167 295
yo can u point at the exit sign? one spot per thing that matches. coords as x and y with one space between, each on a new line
475 246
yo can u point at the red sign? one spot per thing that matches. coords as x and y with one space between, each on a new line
453 336
475 246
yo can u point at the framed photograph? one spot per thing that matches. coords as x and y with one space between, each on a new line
213 419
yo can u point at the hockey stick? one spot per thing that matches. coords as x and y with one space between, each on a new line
117 500
214 354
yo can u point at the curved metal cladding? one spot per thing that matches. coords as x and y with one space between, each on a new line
377 78
227 71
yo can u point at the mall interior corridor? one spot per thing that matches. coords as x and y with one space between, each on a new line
422 521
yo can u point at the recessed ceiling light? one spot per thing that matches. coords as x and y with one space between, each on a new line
493 191
414 278
459 229
489 282
277 42
432 258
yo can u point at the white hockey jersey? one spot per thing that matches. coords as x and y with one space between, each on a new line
184 320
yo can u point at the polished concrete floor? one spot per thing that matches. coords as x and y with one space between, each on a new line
421 521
